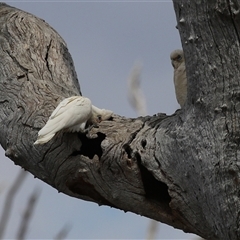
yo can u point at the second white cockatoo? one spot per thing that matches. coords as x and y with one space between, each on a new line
180 77
72 115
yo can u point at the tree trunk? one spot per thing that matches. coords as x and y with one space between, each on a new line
182 170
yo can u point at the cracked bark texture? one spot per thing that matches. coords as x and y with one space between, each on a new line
182 170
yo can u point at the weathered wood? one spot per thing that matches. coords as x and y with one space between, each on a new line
182 170
209 32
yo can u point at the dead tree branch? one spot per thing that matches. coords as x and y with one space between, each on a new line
182 169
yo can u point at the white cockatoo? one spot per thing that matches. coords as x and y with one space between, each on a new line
180 77
72 115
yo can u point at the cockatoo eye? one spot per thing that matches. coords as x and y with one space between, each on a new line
178 58
99 117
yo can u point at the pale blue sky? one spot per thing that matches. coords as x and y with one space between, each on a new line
105 38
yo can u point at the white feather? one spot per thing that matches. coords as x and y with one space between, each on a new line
71 114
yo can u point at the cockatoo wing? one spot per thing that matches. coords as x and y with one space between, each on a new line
61 108
180 82
71 114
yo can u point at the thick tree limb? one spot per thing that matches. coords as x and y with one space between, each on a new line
182 170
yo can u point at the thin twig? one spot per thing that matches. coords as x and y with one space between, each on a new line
62 234
28 214
9 200
135 95
152 230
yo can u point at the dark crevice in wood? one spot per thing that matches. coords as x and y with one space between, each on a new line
154 189
46 58
90 147
144 143
128 150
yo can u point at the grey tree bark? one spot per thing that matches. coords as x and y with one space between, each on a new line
182 169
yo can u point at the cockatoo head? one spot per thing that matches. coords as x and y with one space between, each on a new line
99 115
177 58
